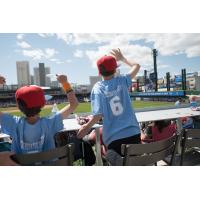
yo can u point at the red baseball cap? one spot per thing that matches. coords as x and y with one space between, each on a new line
107 64
32 95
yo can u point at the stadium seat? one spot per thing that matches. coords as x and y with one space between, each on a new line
61 156
150 153
190 147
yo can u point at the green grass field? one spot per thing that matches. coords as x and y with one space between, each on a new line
85 107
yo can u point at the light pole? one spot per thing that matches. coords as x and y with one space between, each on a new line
155 53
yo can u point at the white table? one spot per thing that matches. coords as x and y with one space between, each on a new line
168 114
142 116
4 136
72 125
175 113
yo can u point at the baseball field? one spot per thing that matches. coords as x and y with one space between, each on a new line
85 107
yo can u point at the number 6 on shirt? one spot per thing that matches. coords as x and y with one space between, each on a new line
116 106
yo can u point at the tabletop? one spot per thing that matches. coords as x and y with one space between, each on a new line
72 124
174 113
3 136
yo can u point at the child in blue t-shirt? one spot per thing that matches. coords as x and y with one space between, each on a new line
32 133
110 100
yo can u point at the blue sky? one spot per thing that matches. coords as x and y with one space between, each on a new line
76 54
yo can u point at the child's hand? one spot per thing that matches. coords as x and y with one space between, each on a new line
117 54
83 131
2 80
62 78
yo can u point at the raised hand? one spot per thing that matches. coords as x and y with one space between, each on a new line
117 54
62 78
2 80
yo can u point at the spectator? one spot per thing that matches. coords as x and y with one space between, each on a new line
158 130
111 101
179 102
32 133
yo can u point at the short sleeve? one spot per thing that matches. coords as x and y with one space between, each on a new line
8 124
55 123
96 103
126 80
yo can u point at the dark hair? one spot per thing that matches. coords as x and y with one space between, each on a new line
29 112
162 124
180 99
103 71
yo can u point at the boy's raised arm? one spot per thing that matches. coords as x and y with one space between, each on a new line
73 102
2 81
135 67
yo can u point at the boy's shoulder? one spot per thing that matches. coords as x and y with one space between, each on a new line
97 86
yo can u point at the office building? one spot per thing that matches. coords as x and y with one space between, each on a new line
93 80
36 76
40 77
42 74
23 73
47 79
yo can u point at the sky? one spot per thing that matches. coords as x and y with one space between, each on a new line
75 54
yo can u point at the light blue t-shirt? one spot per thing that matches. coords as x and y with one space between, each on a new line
193 104
177 104
111 99
27 138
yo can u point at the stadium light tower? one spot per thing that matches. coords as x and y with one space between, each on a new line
183 73
168 81
155 53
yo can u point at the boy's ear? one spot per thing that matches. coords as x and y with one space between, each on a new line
102 69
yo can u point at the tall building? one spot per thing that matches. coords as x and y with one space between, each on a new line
93 80
54 84
47 79
31 79
42 74
36 76
23 73
39 79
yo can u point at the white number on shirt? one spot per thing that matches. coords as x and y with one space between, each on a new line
116 106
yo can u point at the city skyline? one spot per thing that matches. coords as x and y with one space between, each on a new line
75 54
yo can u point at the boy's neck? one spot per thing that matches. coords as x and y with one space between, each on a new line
108 77
32 120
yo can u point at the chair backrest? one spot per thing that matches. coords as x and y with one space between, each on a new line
191 138
64 137
150 153
61 156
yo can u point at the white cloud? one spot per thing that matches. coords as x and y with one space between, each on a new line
24 45
66 37
68 61
60 62
49 52
137 53
54 59
45 35
38 54
166 43
20 36
78 54
35 54
176 43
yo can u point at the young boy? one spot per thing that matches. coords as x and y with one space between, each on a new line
110 99
33 133
178 102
